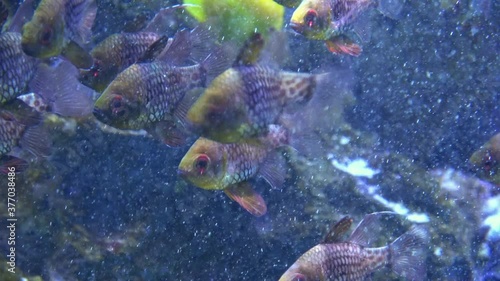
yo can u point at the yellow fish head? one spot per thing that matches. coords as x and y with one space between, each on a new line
312 19
204 165
43 38
117 109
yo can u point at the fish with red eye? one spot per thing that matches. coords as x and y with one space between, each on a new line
333 21
485 162
310 18
118 107
201 164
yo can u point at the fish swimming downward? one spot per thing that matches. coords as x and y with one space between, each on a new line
60 27
332 21
246 99
152 96
352 260
230 167
20 126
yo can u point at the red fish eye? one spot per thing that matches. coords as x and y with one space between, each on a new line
310 18
201 163
46 36
95 69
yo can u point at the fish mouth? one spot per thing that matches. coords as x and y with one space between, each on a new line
100 115
296 27
182 173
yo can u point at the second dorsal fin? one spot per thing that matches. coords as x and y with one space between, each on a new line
338 230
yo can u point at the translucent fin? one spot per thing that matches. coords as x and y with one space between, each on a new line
391 8
79 18
8 162
337 231
36 140
155 49
215 63
343 45
62 92
178 50
276 50
368 229
407 254
185 104
248 198
273 170
162 21
77 55
23 14
169 134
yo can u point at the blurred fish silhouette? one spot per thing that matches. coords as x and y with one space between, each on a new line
486 160
334 259
60 27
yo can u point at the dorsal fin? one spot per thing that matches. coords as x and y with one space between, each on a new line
251 50
337 231
368 228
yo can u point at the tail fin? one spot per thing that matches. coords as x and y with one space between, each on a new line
61 91
391 8
407 254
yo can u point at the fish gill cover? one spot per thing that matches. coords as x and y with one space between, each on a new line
157 143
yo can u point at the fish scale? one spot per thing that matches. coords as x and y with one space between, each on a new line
17 69
10 133
243 161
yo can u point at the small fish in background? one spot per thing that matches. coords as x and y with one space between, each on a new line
20 126
332 21
246 99
334 259
155 95
16 68
60 27
113 55
120 50
486 160
230 167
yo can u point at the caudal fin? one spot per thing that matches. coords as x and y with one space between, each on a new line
391 8
408 255
61 90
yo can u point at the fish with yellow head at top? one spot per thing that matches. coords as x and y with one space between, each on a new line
246 99
353 260
60 27
230 167
155 96
331 21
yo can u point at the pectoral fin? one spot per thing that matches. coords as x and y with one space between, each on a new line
248 198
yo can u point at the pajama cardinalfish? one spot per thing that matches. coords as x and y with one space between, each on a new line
334 259
60 27
151 96
230 167
332 20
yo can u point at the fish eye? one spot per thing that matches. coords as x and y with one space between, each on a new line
95 69
46 35
201 163
118 108
310 18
